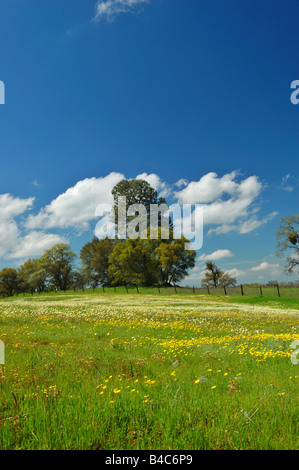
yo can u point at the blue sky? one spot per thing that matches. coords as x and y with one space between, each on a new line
195 92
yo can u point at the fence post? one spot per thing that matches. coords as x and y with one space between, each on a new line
159 290
175 289
126 288
208 289
114 289
224 288
242 290
278 291
261 292
193 290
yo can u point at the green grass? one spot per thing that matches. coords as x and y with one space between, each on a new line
148 371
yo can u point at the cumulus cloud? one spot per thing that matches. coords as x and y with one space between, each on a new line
253 223
265 266
226 201
76 206
34 244
181 183
11 206
216 255
110 8
245 226
228 204
155 181
207 189
235 272
12 243
261 272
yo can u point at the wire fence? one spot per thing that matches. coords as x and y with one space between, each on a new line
241 290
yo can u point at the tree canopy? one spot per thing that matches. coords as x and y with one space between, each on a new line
136 191
58 264
287 241
95 259
215 277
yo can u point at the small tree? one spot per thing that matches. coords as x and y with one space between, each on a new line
174 260
137 191
227 281
215 277
32 276
134 262
9 281
58 263
287 239
95 259
80 278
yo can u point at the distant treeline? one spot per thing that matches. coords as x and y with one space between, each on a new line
112 263
105 262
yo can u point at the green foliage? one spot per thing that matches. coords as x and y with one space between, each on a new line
134 262
58 263
287 239
80 278
95 259
8 282
174 260
152 372
146 262
215 277
136 192
32 276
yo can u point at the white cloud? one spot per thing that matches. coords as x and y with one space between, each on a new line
225 212
265 266
11 206
235 272
12 243
224 228
110 8
216 255
227 202
34 244
243 227
9 234
207 189
284 185
230 206
253 223
155 181
181 183
76 207
195 275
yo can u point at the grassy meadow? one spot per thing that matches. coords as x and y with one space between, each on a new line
113 371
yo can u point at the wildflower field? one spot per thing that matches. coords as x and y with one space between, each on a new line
148 372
